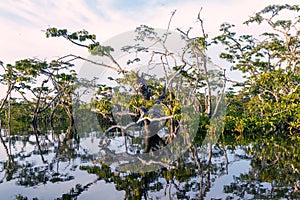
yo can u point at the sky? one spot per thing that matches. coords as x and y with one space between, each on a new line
23 22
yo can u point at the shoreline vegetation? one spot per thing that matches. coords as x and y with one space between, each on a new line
42 107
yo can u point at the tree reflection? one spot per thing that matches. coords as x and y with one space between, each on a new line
274 171
23 165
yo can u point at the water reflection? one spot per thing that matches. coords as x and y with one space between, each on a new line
51 166
274 171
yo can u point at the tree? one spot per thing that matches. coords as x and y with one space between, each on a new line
155 103
268 102
270 63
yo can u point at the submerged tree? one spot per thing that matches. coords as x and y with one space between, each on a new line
154 108
168 102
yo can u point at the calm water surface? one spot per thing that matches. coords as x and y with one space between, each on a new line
57 169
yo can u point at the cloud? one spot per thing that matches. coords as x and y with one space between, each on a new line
23 20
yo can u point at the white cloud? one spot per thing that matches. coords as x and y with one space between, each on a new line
21 34
23 20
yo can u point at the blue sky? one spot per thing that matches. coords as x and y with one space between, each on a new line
23 21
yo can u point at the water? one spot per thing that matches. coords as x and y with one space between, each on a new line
260 168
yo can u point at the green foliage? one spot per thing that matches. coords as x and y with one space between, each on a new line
79 35
270 63
43 86
96 49
265 112
19 117
80 38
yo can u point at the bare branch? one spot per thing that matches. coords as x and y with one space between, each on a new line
74 57
8 92
136 123
168 28
201 24
150 162
69 38
293 90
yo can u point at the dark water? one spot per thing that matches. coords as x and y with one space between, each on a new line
49 167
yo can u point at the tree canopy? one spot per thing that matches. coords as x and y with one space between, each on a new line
42 99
